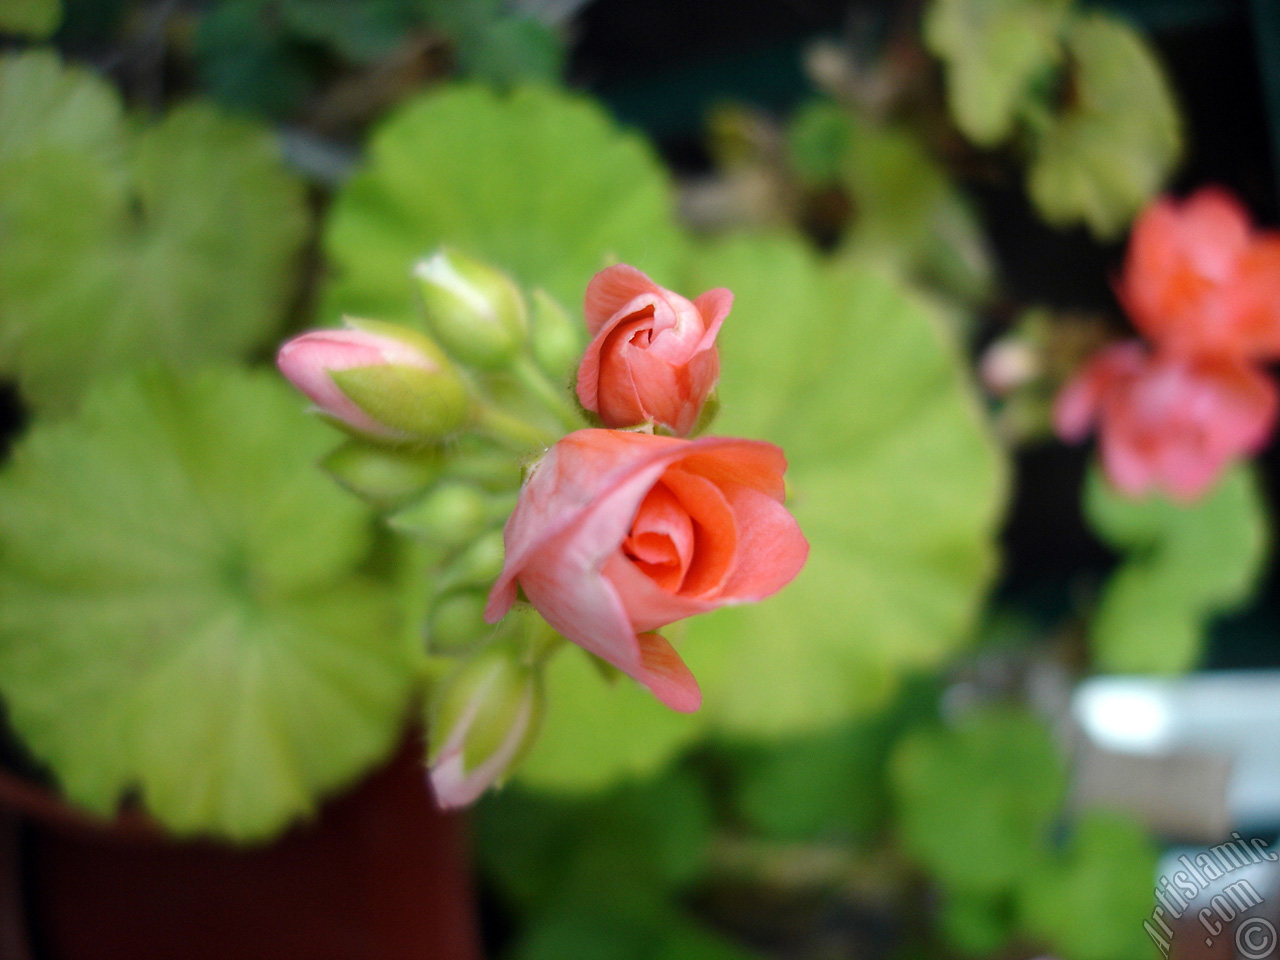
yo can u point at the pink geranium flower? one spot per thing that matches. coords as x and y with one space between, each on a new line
1198 278
1167 422
618 534
653 354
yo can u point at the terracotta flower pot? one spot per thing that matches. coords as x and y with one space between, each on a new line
381 873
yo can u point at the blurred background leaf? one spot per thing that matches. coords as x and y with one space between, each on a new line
1118 136
976 802
180 612
139 264
1184 564
1104 875
994 51
438 173
283 57
32 18
630 734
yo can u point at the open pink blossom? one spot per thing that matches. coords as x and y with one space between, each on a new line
617 534
1198 278
653 354
1167 422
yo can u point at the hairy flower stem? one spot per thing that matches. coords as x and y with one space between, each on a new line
535 382
511 431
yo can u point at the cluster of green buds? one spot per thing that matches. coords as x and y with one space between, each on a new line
442 418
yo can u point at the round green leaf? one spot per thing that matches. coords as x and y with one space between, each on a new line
1185 564
976 801
178 611
1090 904
1115 145
539 182
993 50
598 731
893 478
46 106
180 251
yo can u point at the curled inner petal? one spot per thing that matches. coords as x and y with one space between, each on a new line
661 542
715 531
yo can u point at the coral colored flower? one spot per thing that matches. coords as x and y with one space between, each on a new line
617 534
653 353
1199 279
1167 422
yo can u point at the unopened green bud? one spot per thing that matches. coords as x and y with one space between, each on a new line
557 339
387 477
457 621
452 514
476 566
476 311
483 718
487 466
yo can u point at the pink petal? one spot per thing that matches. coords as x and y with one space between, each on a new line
667 675
647 605
714 305
661 540
718 547
563 543
1078 403
771 548
567 484
612 289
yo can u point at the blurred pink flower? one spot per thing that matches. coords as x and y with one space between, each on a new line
1198 278
1166 422
653 354
617 534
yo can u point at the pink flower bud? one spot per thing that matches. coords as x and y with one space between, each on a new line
382 381
483 720
653 357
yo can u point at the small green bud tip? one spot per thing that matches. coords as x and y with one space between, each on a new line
457 622
476 566
380 381
476 311
485 716
452 514
557 339
386 477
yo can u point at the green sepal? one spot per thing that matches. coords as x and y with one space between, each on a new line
487 693
386 477
477 566
426 404
457 621
556 338
452 514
